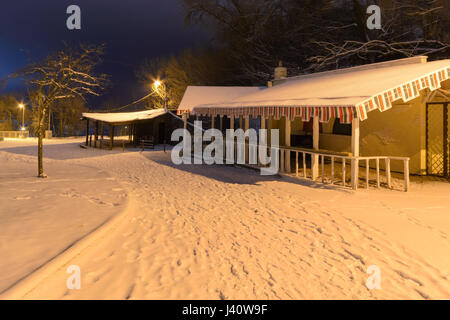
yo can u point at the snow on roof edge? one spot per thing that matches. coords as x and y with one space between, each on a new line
119 117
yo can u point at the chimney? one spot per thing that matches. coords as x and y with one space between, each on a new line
280 72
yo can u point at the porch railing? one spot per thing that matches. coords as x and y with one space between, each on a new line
318 159
318 167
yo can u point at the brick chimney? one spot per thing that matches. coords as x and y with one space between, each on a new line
280 72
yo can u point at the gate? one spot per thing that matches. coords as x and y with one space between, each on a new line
438 140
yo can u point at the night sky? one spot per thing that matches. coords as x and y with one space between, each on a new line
131 29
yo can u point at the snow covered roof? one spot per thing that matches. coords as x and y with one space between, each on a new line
357 90
200 95
125 117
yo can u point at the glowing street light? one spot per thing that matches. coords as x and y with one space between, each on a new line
158 85
22 106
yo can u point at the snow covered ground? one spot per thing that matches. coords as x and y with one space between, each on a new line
216 232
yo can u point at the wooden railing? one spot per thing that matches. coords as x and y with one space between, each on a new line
318 165
353 161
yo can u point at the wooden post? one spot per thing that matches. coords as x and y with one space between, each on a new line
95 134
406 172
332 169
87 132
367 173
314 157
287 143
323 168
378 173
296 163
355 153
343 172
185 121
388 172
213 118
263 122
102 134
111 137
221 123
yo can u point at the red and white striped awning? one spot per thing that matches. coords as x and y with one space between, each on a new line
343 94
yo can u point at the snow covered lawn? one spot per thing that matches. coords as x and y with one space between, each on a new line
40 218
219 232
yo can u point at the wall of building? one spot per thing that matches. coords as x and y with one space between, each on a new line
335 142
399 131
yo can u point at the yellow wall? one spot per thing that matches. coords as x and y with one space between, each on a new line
335 142
399 131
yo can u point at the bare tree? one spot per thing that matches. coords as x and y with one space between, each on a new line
314 35
66 74
409 28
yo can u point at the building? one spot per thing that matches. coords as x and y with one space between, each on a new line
395 111
132 127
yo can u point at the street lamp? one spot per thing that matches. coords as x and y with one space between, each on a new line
21 106
157 86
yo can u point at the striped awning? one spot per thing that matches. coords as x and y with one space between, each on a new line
344 94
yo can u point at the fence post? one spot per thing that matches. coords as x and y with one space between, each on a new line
355 172
323 168
388 172
332 169
367 173
378 172
343 172
406 172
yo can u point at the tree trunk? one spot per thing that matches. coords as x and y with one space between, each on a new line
40 132
40 160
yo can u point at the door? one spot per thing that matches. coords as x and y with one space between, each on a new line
438 140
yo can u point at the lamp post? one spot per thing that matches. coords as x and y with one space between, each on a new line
158 86
21 106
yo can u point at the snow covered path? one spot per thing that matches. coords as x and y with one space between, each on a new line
200 232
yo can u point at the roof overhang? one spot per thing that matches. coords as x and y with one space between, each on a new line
124 118
345 93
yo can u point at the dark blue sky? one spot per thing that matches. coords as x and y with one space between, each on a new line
132 30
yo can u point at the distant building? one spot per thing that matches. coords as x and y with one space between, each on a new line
132 127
